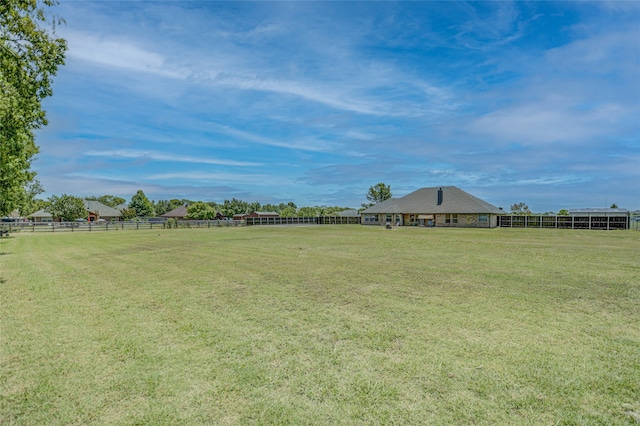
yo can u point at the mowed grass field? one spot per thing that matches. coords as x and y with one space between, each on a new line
320 325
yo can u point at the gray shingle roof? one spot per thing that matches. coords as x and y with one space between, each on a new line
92 206
40 213
101 209
177 212
425 200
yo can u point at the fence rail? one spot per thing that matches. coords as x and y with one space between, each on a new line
565 222
114 226
320 220
506 221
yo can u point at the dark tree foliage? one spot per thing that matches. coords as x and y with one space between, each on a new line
379 192
66 207
520 208
142 205
201 210
30 54
108 200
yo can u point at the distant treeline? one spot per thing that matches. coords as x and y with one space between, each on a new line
140 206
229 208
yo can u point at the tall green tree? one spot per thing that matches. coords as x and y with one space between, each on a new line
30 54
66 207
141 204
307 212
107 200
128 214
161 207
289 211
520 208
378 193
200 211
30 203
235 206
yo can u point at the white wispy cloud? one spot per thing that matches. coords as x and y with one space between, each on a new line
304 144
226 178
535 124
501 26
350 92
160 156
551 180
108 51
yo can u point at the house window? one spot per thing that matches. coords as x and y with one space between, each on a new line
483 218
450 218
370 218
388 219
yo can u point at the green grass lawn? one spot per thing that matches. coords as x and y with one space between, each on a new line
320 325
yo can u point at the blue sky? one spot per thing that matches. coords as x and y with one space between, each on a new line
314 102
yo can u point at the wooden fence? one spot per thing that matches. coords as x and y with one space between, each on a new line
321 220
114 226
506 221
564 222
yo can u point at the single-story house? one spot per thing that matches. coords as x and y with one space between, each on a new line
177 213
41 216
95 210
14 216
255 215
181 213
446 206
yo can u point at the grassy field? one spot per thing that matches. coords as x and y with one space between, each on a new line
321 325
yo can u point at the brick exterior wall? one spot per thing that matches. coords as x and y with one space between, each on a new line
464 221
467 221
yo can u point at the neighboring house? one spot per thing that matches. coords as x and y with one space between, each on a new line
41 216
14 216
177 213
96 210
181 213
446 206
255 215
